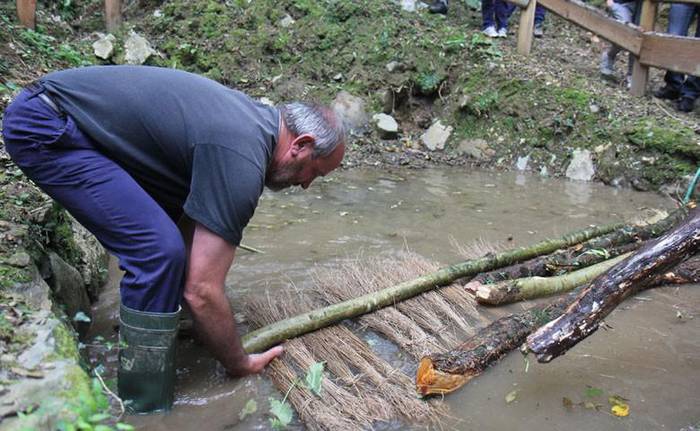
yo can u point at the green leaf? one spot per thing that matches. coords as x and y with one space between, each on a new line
124 427
314 377
98 417
103 428
512 396
282 413
82 425
250 407
592 392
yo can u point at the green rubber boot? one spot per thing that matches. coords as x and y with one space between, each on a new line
146 379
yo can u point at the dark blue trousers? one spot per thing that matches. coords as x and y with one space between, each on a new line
52 151
495 13
680 18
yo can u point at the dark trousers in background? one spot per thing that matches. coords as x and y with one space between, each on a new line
679 19
63 161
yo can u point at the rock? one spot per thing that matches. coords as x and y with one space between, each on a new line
67 287
408 5
386 126
387 97
436 136
476 148
338 77
93 258
351 110
521 163
104 46
581 166
137 49
394 66
286 21
34 290
20 259
266 101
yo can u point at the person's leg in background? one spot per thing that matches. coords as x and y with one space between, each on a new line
690 90
679 19
540 13
488 13
104 198
503 10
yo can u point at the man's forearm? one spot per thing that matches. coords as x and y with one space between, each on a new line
216 327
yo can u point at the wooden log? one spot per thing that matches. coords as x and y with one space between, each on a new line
441 373
523 289
278 332
620 241
606 292
26 12
113 14
527 21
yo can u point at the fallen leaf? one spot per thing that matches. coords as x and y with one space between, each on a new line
592 392
27 373
567 403
620 410
512 396
250 407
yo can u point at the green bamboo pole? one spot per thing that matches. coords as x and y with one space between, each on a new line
522 289
295 326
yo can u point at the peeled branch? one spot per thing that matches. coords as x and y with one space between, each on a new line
606 292
278 332
522 289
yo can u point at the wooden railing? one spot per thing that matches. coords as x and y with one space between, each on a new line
26 11
651 49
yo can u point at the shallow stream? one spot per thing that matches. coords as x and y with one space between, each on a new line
650 354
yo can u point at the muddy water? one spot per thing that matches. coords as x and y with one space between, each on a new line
651 356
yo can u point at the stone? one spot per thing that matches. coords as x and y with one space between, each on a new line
394 66
386 126
35 291
104 46
266 101
286 21
581 167
436 136
20 259
67 287
409 5
93 258
521 163
387 97
137 49
351 110
476 148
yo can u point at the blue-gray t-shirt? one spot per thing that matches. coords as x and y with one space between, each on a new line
190 142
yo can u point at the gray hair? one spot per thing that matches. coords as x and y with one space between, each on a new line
317 120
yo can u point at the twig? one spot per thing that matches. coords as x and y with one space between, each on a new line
116 397
670 114
250 249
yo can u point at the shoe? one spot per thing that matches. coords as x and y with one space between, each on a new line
146 376
667 92
538 31
686 104
438 6
490 31
503 32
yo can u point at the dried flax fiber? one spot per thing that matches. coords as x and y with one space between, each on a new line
360 389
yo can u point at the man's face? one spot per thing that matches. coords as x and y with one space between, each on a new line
300 169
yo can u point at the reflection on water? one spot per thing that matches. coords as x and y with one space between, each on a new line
650 357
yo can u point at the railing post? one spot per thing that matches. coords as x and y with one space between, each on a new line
527 21
640 73
26 12
113 14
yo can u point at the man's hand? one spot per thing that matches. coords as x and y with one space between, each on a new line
256 362
210 258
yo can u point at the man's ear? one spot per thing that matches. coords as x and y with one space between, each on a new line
303 144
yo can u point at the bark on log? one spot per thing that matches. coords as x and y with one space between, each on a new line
445 372
620 241
278 332
522 289
609 290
